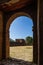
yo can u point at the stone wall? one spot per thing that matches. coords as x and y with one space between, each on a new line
1 33
41 32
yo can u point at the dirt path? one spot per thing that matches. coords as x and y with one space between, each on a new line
22 52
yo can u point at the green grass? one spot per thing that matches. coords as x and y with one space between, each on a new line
22 52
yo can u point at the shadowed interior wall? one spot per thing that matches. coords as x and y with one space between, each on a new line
4 44
1 33
41 32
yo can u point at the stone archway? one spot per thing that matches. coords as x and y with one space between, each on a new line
38 46
7 28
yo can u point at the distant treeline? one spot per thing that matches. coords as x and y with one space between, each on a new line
27 41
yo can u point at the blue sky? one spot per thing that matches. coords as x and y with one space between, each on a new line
21 27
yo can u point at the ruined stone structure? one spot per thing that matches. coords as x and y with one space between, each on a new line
11 9
18 42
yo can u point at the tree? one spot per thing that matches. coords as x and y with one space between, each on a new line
29 40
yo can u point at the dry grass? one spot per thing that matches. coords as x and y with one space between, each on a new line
22 52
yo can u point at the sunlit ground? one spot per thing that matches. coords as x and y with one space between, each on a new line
22 52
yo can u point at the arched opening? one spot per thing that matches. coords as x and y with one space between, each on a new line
21 38
14 17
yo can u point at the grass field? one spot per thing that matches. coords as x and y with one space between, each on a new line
22 52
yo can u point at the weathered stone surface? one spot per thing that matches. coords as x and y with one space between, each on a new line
3 1
1 33
15 62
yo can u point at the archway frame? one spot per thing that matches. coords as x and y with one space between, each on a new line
10 20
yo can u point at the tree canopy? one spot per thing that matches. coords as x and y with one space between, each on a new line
29 40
